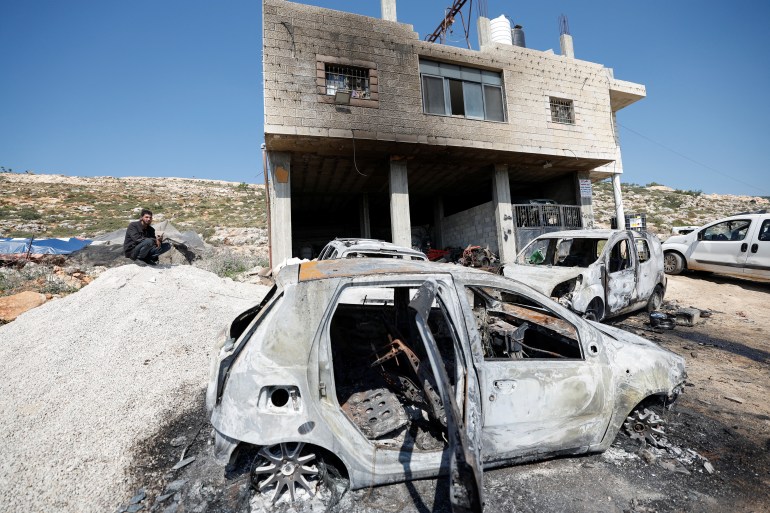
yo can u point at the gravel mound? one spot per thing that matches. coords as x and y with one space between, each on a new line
87 376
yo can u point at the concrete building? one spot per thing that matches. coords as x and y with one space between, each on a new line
372 132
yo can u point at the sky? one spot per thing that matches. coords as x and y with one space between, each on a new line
173 87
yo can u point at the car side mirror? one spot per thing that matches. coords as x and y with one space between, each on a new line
700 235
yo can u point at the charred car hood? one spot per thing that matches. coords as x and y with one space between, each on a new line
542 278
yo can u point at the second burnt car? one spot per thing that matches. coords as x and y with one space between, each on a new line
396 370
596 273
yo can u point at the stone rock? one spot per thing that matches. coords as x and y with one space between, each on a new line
15 305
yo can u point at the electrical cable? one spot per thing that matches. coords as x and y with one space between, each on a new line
692 160
353 132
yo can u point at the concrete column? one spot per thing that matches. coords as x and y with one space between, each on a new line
279 173
619 214
400 223
363 209
438 222
484 31
501 196
567 50
584 198
388 10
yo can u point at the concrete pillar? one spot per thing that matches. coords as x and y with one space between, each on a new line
365 225
501 196
279 173
584 193
400 223
567 50
619 214
438 222
484 31
388 10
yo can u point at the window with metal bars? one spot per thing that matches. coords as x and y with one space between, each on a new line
347 78
562 111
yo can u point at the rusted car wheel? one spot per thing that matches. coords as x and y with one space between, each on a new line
673 263
656 299
287 466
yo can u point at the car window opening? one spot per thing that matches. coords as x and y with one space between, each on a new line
562 252
513 327
383 379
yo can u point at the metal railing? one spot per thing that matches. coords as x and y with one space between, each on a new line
534 220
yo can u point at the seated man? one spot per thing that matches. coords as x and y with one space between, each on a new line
141 243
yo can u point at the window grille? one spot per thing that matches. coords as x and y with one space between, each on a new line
562 111
347 78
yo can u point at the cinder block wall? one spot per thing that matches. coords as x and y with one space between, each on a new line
473 226
295 34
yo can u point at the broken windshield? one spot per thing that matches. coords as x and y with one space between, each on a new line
562 251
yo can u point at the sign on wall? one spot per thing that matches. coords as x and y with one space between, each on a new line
586 191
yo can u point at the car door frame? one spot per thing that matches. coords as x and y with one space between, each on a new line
758 259
389 464
501 445
615 282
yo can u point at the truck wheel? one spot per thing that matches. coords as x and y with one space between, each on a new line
656 299
673 263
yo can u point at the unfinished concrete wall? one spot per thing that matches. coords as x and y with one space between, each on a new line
297 39
473 226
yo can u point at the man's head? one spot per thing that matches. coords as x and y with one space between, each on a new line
146 217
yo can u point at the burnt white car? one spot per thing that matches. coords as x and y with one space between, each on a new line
596 273
367 248
395 370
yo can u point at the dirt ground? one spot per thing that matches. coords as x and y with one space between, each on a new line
719 435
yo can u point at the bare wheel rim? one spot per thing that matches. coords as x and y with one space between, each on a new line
285 466
646 425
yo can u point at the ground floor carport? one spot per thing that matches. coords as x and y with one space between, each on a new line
321 188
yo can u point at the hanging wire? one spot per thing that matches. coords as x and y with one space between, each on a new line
692 160
353 132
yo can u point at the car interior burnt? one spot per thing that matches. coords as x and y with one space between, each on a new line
514 327
383 379
574 252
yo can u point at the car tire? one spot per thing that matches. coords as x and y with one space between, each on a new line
673 263
656 299
595 310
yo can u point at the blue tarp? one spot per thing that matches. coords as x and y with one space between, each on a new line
42 246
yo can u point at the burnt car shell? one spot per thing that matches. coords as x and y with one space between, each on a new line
281 385
595 279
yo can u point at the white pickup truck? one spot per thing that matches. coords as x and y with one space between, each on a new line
736 246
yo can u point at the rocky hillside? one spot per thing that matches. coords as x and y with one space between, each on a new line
229 213
666 207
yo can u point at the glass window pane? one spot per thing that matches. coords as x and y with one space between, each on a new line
430 67
493 103
474 103
456 97
433 95
474 75
491 77
450 70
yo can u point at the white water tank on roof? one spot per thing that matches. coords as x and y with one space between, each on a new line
500 30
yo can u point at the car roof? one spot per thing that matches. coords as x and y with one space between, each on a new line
593 234
355 267
353 244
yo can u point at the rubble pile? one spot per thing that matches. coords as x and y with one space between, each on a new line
87 375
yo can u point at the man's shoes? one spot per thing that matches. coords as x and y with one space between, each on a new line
151 261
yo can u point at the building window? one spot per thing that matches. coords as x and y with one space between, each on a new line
562 111
347 78
360 78
452 90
